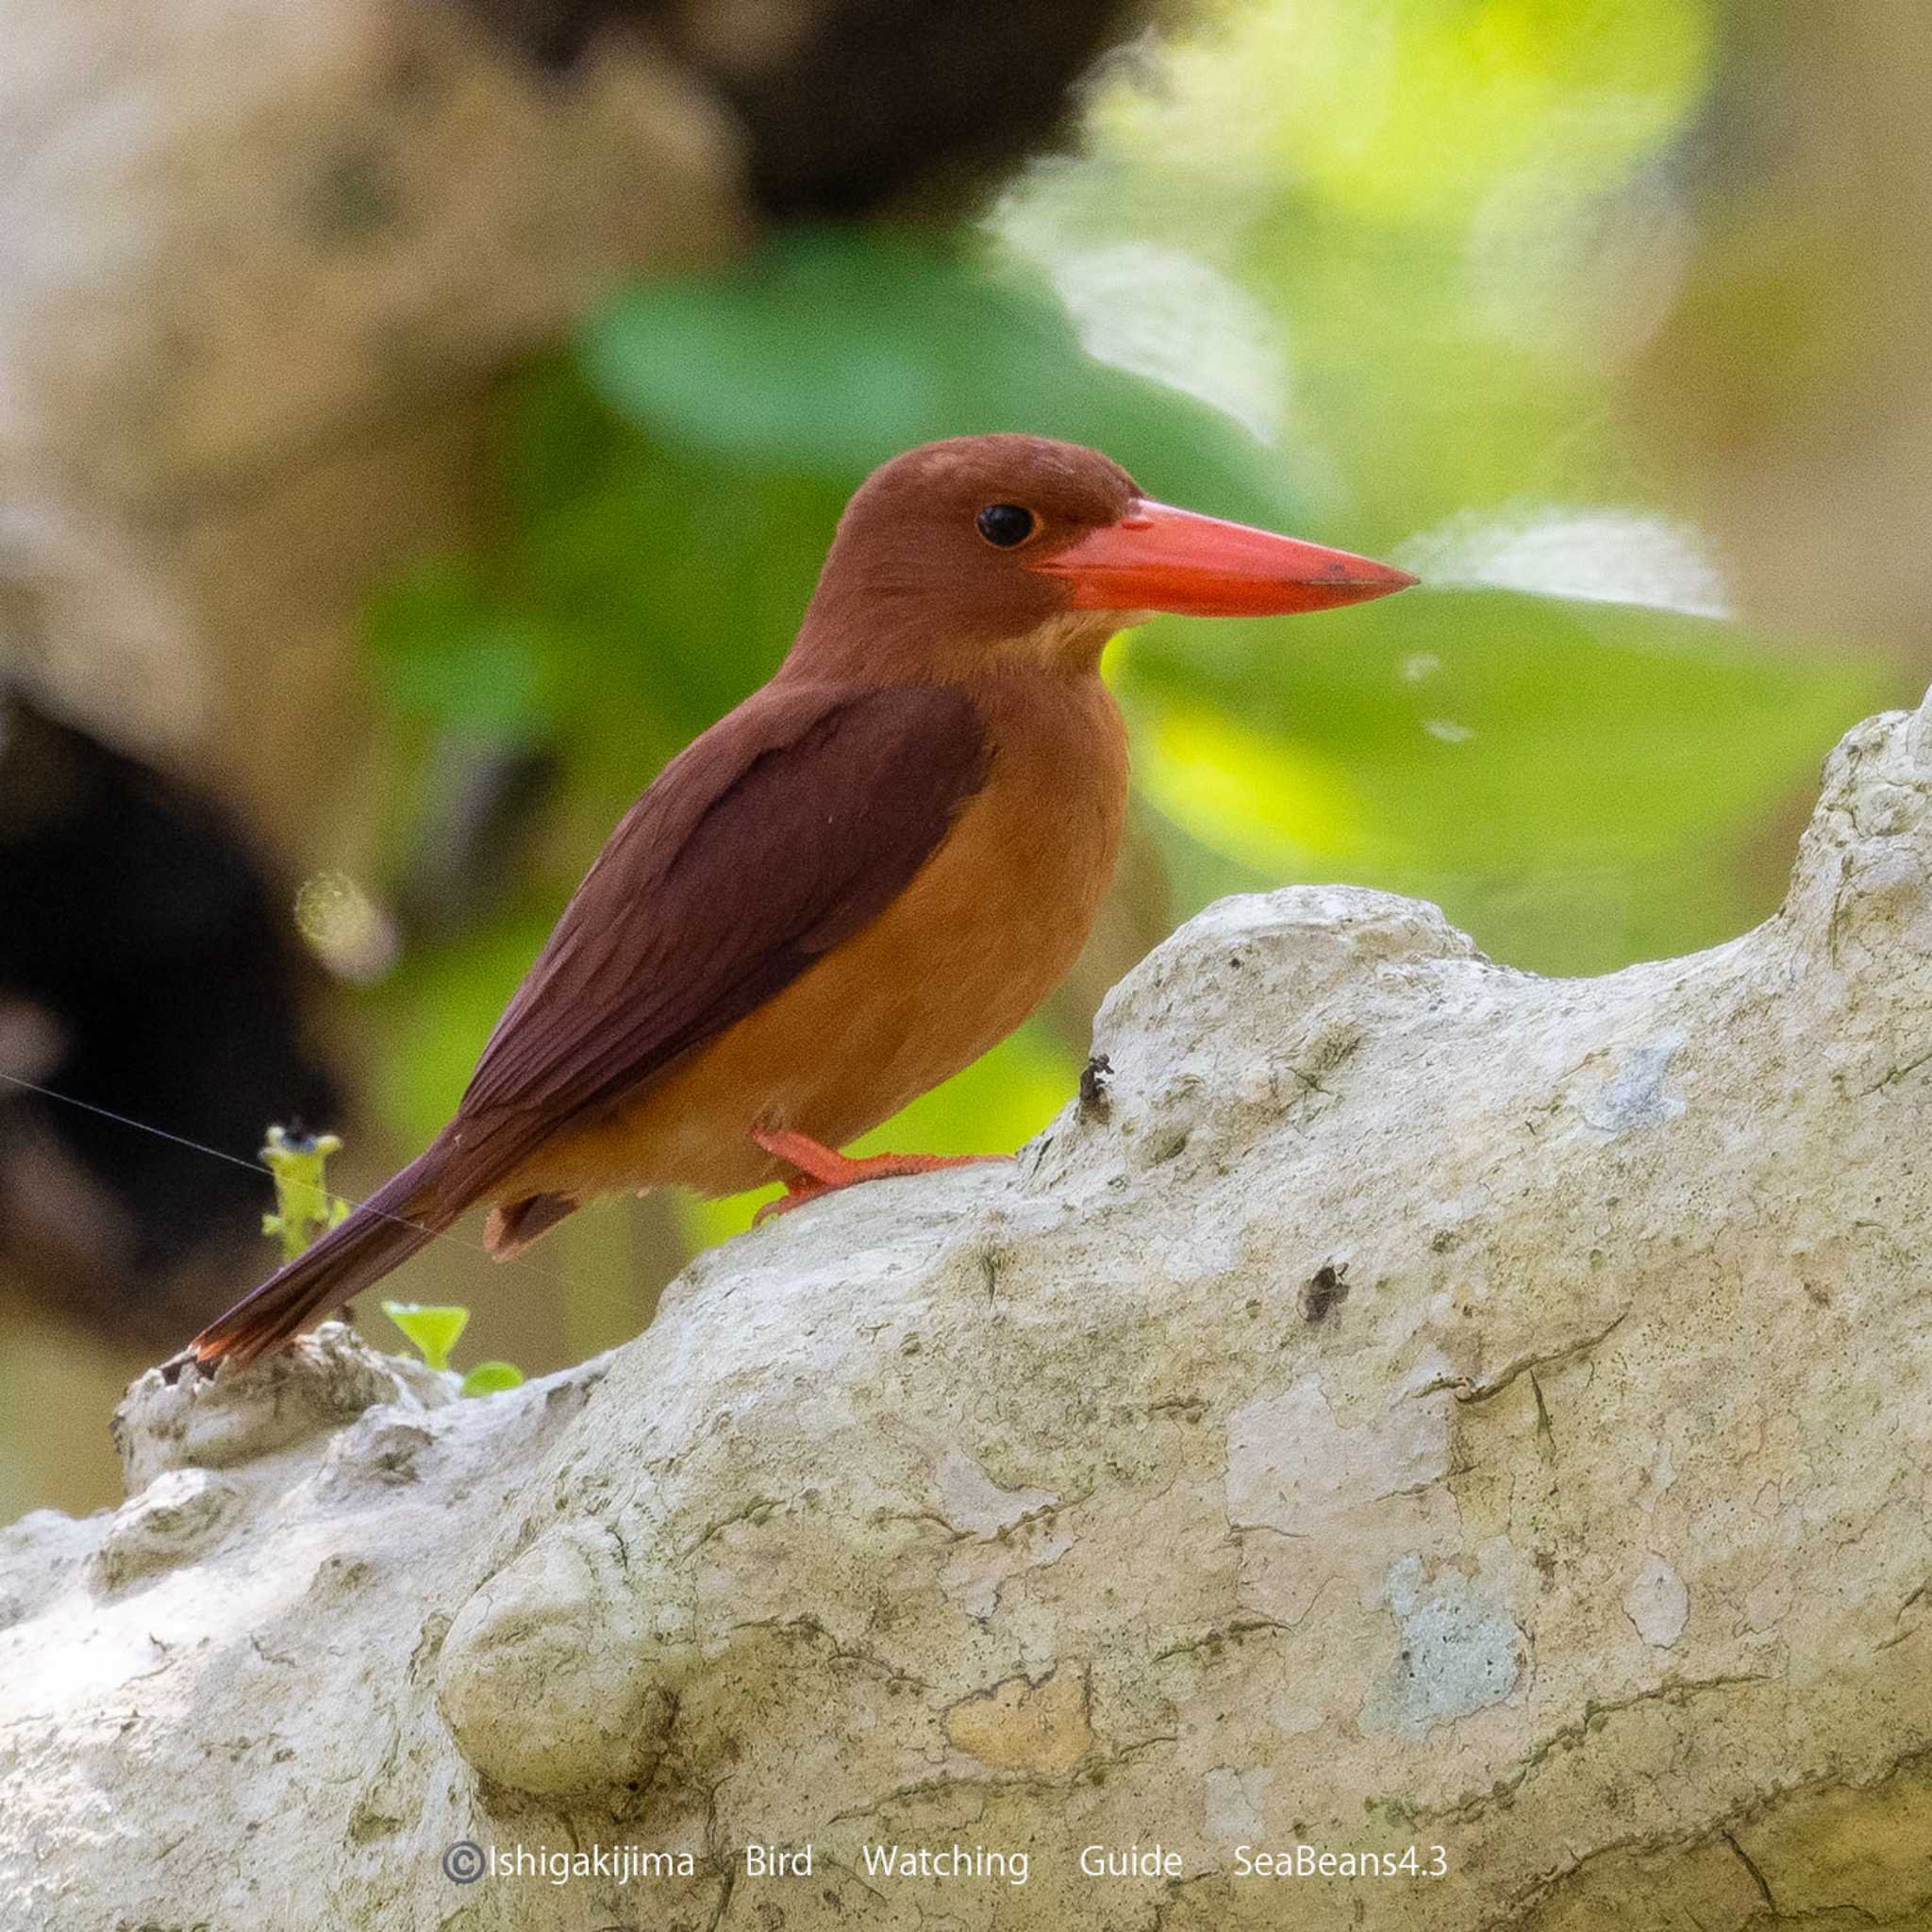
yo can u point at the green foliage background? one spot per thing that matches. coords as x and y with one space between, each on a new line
1424 219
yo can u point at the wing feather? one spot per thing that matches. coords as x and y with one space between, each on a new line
785 829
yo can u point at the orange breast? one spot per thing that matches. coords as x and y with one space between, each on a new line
986 930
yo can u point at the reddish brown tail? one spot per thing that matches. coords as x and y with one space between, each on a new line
384 1231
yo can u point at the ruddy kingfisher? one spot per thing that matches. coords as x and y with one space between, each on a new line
852 885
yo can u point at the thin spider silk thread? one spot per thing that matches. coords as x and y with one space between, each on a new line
107 1114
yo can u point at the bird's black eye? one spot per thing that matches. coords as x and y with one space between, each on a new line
1003 524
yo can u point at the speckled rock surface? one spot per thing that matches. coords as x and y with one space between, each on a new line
1403 1401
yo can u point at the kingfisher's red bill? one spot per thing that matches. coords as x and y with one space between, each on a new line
1157 557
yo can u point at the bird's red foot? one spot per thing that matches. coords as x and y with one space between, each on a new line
824 1170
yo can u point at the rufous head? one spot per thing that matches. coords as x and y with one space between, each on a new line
1018 544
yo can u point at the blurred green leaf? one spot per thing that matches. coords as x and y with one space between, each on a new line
443 1002
1426 109
443 648
839 348
1444 744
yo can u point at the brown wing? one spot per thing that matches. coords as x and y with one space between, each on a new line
784 829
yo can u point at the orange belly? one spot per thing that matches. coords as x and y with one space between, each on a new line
986 930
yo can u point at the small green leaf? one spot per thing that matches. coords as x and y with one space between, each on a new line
489 1378
434 1330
